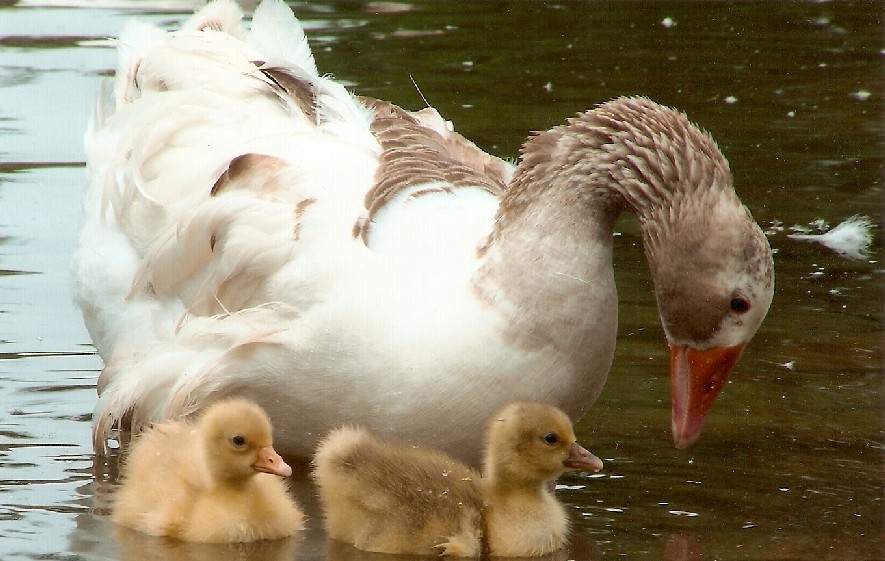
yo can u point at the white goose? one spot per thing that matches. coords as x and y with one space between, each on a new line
253 229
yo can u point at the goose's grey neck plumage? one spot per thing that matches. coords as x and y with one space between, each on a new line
574 180
553 234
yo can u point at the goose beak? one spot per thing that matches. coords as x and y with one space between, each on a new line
696 378
270 462
582 459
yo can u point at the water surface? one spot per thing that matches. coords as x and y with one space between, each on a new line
790 465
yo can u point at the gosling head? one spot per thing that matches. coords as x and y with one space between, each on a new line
238 441
532 443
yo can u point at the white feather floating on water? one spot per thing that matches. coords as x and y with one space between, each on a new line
851 238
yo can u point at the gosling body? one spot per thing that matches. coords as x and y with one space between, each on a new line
392 498
214 480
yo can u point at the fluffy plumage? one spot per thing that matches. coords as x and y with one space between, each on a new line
217 479
251 228
851 238
396 498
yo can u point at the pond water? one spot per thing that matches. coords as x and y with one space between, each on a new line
791 464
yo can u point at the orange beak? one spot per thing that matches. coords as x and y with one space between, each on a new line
270 462
696 378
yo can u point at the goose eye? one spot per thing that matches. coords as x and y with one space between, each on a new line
551 438
739 304
238 440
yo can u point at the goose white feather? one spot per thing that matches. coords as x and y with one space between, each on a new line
252 228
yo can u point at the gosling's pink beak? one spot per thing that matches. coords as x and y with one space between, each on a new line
581 458
270 462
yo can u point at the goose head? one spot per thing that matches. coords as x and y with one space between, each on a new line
238 441
710 262
713 280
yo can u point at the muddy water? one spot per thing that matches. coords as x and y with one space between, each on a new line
790 465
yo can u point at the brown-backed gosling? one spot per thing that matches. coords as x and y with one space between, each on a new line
394 498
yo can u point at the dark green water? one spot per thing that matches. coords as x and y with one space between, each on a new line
792 461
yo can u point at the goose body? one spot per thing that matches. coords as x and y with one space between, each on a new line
214 480
395 498
253 229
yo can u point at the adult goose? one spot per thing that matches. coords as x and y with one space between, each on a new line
253 229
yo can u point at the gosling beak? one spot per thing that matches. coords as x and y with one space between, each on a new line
269 461
579 458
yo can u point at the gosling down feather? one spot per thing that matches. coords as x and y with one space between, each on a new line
396 498
217 479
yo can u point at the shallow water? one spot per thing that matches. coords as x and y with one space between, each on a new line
790 465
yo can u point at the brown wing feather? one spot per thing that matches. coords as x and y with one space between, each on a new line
417 148
289 86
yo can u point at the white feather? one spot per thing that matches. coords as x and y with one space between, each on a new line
221 15
852 238
280 37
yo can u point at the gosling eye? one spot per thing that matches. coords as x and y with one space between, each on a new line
739 304
238 440
551 438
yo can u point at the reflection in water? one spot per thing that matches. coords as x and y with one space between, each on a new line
135 546
337 551
682 547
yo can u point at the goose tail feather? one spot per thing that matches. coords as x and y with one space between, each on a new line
278 35
198 365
